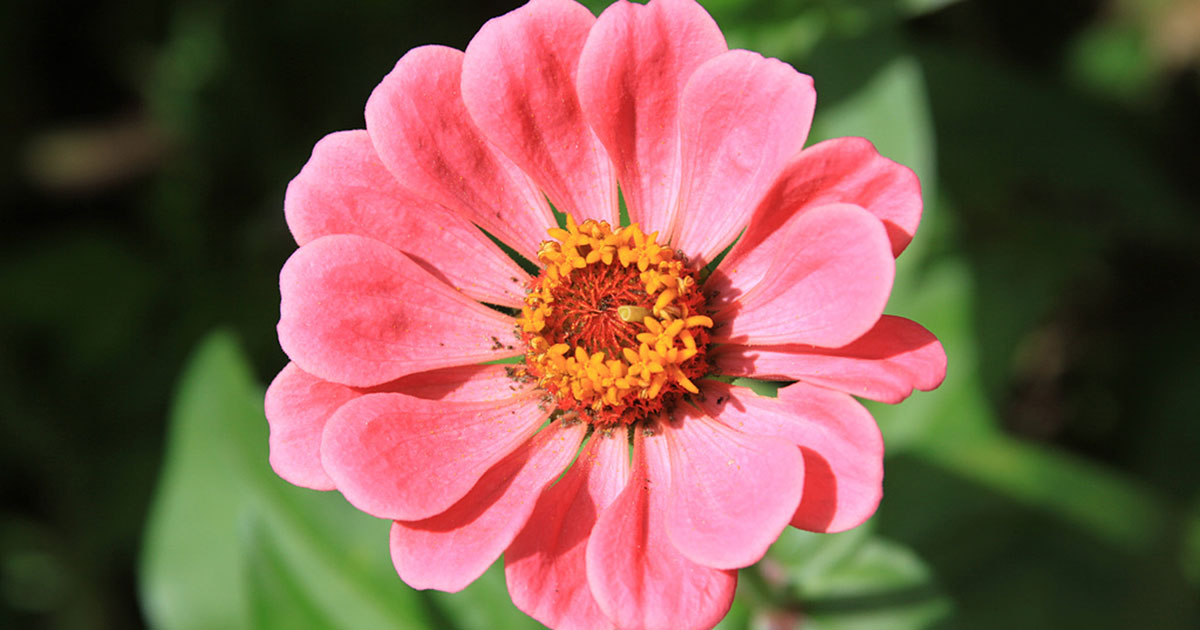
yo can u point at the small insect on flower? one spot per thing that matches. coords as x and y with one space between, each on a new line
622 476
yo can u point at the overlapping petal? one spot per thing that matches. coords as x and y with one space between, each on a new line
452 549
732 492
461 383
404 458
420 127
841 444
827 288
745 116
632 72
298 405
518 83
545 566
345 189
357 312
886 364
841 170
637 576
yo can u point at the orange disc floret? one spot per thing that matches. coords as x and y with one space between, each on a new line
614 326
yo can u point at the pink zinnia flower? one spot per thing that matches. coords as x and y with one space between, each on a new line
396 298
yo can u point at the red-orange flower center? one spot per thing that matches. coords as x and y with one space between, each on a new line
614 326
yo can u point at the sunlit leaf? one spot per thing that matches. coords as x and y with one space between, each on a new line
890 109
808 555
884 586
192 573
230 545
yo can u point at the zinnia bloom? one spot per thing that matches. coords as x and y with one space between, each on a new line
623 484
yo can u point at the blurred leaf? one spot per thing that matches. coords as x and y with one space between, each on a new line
277 601
808 555
884 586
917 7
191 574
1191 546
890 109
848 580
338 557
1114 509
483 605
1114 60
230 545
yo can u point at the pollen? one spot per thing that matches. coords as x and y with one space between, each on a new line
614 326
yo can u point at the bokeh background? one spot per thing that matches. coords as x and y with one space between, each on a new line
1052 482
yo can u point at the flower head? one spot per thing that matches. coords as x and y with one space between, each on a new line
397 299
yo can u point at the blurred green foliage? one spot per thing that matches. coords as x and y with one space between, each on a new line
1051 482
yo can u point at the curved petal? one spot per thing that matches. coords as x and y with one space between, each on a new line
404 458
841 444
462 383
545 565
827 288
345 189
518 82
298 404
424 135
452 549
744 116
886 364
732 493
841 170
631 73
358 312
638 577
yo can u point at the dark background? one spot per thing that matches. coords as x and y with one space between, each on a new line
147 146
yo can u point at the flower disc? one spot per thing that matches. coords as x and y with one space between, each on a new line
614 326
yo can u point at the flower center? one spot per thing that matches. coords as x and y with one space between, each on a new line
613 326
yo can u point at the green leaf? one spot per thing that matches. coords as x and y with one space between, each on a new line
884 586
853 579
191 566
277 600
890 108
1191 547
483 605
918 7
230 545
808 555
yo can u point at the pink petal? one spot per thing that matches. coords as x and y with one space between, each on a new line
404 458
827 288
452 549
358 312
841 444
345 189
298 404
886 364
637 576
842 170
518 81
732 493
420 126
460 383
631 74
545 565
743 117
